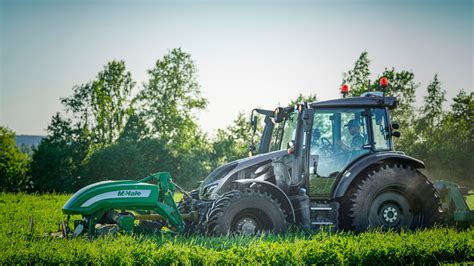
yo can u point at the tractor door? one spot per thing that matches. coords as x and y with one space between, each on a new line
338 137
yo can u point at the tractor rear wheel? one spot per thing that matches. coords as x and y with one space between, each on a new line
393 197
245 213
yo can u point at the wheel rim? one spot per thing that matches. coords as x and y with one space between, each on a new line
250 222
247 226
390 214
392 210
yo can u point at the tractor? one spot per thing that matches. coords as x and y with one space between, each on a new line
326 164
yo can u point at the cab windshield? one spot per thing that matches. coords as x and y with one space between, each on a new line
284 133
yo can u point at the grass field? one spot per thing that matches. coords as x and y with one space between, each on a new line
470 200
19 246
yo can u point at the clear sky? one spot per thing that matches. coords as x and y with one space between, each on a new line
249 53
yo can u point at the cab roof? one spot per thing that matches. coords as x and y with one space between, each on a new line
366 101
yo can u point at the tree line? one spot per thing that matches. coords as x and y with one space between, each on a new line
112 128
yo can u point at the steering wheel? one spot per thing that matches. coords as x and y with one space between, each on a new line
325 141
326 145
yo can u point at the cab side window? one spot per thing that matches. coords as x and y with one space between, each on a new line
381 132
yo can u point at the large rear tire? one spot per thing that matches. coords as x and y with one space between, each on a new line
245 213
392 197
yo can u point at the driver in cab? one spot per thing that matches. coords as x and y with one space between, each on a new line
357 139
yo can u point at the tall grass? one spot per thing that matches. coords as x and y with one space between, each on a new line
19 246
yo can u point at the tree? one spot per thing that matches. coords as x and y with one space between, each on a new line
171 97
449 148
168 104
431 113
135 129
96 114
122 160
102 106
194 164
57 159
358 78
463 108
14 165
233 142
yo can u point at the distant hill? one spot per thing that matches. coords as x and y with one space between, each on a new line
28 140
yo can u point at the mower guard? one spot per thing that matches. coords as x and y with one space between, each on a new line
95 200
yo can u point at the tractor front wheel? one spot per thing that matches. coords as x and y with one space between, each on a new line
245 213
393 197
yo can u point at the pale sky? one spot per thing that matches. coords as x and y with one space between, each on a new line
248 53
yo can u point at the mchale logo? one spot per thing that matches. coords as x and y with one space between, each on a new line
129 193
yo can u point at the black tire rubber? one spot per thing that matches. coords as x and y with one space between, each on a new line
226 212
391 197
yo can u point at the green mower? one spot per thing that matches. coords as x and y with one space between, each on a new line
122 202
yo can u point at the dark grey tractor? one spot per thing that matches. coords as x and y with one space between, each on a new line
328 163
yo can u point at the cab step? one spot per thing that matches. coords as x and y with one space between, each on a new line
324 215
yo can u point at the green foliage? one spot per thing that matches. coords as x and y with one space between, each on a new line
470 201
447 142
193 162
20 246
102 106
14 165
57 159
27 149
233 142
128 160
432 111
95 116
171 97
358 77
135 129
168 103
119 161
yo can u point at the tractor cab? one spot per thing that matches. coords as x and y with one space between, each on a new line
329 136
335 134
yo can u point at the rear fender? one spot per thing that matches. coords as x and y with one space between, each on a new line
274 191
354 170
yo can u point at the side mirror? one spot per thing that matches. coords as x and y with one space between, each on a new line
279 114
254 123
395 125
396 134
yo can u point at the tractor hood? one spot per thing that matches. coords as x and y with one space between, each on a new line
226 174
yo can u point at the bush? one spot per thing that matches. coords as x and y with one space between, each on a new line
14 165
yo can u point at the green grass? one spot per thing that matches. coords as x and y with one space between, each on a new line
19 246
470 200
